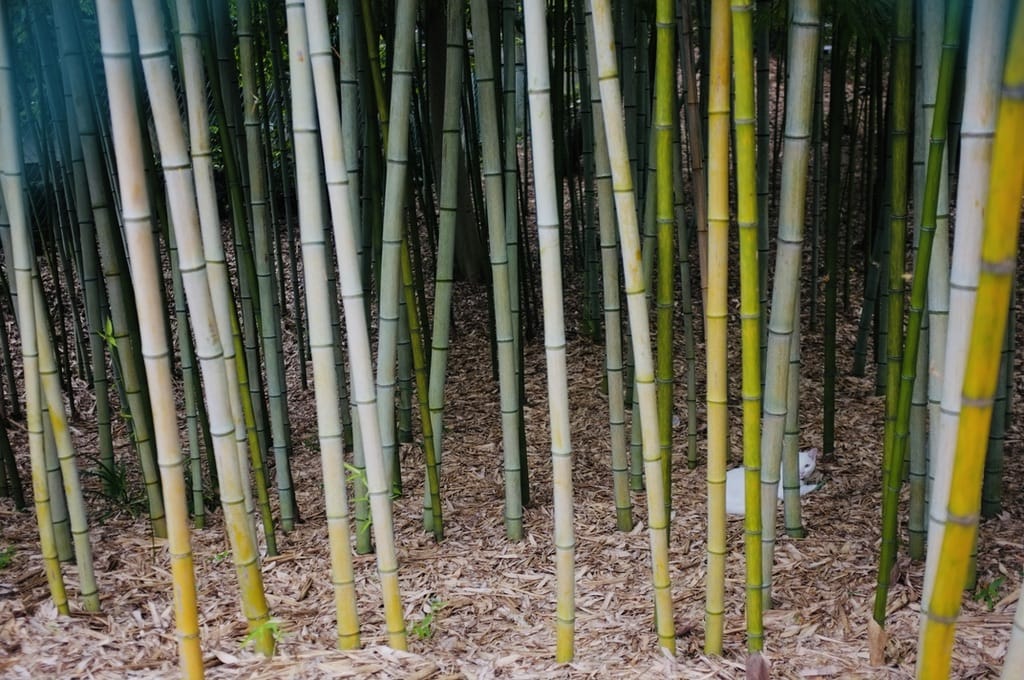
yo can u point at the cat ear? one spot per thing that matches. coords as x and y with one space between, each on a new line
813 453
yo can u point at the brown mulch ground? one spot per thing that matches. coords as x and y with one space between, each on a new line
496 616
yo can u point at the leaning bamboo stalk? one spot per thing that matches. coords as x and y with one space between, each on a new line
984 62
311 218
145 277
612 303
12 185
803 53
270 321
451 145
216 262
185 222
396 135
894 473
995 285
629 238
548 237
316 259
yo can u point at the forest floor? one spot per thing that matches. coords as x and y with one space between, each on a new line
479 606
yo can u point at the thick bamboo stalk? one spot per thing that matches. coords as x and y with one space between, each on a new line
984 63
629 239
995 285
145 273
207 322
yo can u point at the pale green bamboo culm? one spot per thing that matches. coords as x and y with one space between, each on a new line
451 145
636 300
185 221
803 53
360 362
495 199
316 258
145 277
539 87
396 136
12 184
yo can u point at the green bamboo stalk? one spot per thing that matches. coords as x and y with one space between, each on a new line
396 134
270 322
12 188
894 477
750 314
448 203
612 304
511 412
665 84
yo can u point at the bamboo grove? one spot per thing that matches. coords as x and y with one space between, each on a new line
183 179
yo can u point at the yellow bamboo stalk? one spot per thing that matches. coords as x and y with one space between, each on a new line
716 321
995 287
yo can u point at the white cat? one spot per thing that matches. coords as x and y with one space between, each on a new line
734 484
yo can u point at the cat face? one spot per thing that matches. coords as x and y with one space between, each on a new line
808 461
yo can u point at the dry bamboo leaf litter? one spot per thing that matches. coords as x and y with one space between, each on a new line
496 599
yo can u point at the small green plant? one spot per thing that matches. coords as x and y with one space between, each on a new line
424 628
221 556
989 594
118 489
359 475
6 557
271 626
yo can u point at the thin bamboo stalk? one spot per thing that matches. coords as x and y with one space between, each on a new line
12 187
744 117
